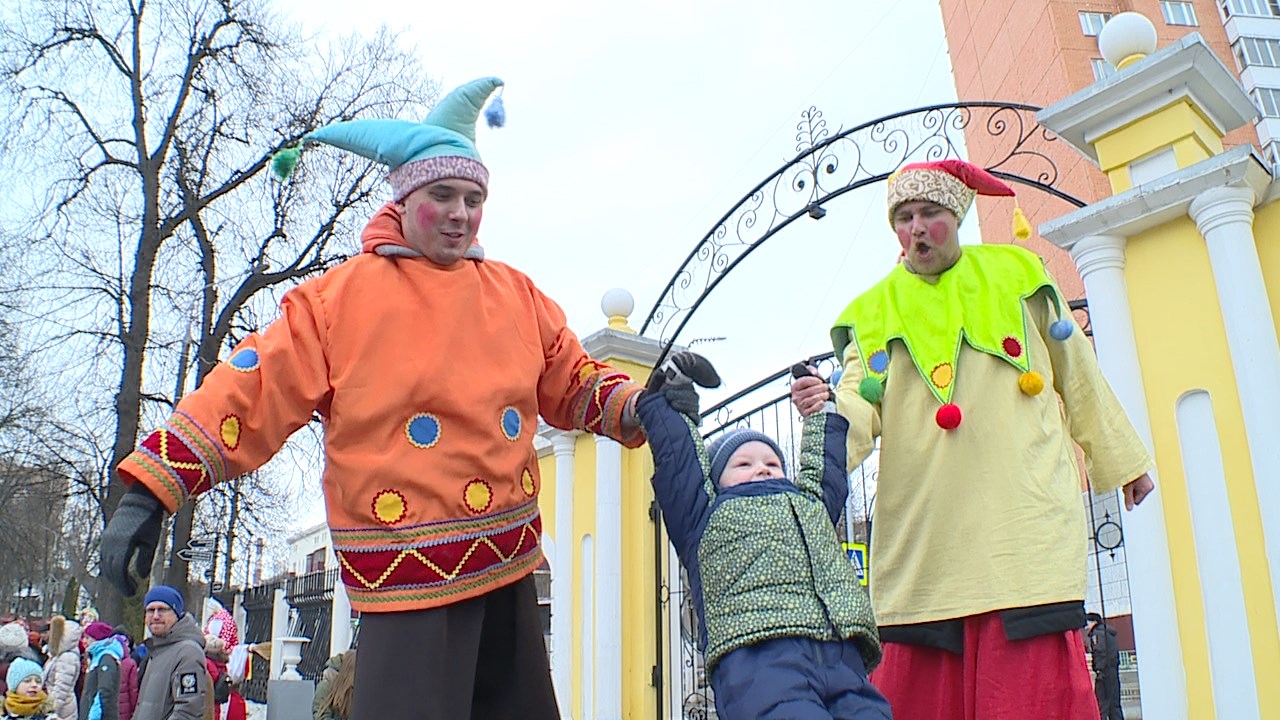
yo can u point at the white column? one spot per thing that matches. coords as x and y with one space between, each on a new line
340 622
279 629
1224 217
608 579
1226 626
1100 259
562 577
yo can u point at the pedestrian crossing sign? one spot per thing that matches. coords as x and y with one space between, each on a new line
857 553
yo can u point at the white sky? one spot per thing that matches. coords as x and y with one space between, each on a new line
632 128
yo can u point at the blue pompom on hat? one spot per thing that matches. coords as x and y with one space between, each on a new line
167 595
723 447
20 669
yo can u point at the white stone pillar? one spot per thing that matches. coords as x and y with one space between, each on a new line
608 579
340 622
1100 259
279 629
562 576
1224 216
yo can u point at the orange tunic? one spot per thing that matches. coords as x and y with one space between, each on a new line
430 382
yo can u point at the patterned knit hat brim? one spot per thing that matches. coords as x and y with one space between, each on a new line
932 186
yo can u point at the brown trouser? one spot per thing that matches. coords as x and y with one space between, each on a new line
482 658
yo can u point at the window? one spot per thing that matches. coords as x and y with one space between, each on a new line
315 561
1101 68
1259 52
1178 13
1268 101
1249 7
1091 22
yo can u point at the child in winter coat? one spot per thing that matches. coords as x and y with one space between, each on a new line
787 629
128 674
63 668
26 698
100 698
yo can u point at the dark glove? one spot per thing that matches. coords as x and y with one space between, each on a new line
675 379
222 689
132 534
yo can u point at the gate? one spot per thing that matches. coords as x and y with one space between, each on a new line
825 167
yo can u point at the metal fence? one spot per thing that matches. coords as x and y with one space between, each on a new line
257 606
311 599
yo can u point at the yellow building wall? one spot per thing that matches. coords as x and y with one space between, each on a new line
639 563
639 573
1266 225
1182 346
1179 125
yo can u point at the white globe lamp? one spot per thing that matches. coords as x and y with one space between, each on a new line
1126 39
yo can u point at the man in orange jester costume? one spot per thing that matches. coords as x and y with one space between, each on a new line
430 366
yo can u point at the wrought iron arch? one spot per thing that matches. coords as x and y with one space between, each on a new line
827 166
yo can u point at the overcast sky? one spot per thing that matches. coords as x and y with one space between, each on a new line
632 128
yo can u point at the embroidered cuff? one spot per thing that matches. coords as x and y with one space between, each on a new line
176 461
604 400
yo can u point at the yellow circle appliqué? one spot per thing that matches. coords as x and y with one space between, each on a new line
389 507
477 495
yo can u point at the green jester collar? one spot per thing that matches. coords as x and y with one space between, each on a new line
979 301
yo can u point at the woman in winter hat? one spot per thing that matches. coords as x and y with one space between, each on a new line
25 697
63 668
13 645
100 699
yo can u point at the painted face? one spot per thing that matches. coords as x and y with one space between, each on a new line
929 234
440 219
160 618
29 687
752 462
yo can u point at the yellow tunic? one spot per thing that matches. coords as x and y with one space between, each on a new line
987 516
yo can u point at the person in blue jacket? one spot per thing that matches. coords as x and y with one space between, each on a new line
787 630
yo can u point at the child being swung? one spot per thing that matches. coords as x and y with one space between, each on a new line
788 631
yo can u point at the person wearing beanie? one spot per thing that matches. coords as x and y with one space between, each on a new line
430 363
786 628
965 361
100 696
175 684
62 672
128 673
26 697
13 645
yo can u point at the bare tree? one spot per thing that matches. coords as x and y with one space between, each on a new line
147 127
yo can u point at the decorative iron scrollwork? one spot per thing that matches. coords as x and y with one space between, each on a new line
828 165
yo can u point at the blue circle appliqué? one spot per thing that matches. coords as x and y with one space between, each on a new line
244 360
423 430
511 423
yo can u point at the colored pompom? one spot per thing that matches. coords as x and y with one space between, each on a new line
948 417
836 375
496 113
871 390
1021 226
283 163
1061 329
1031 382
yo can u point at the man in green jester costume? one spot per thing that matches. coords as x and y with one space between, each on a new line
430 366
968 366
